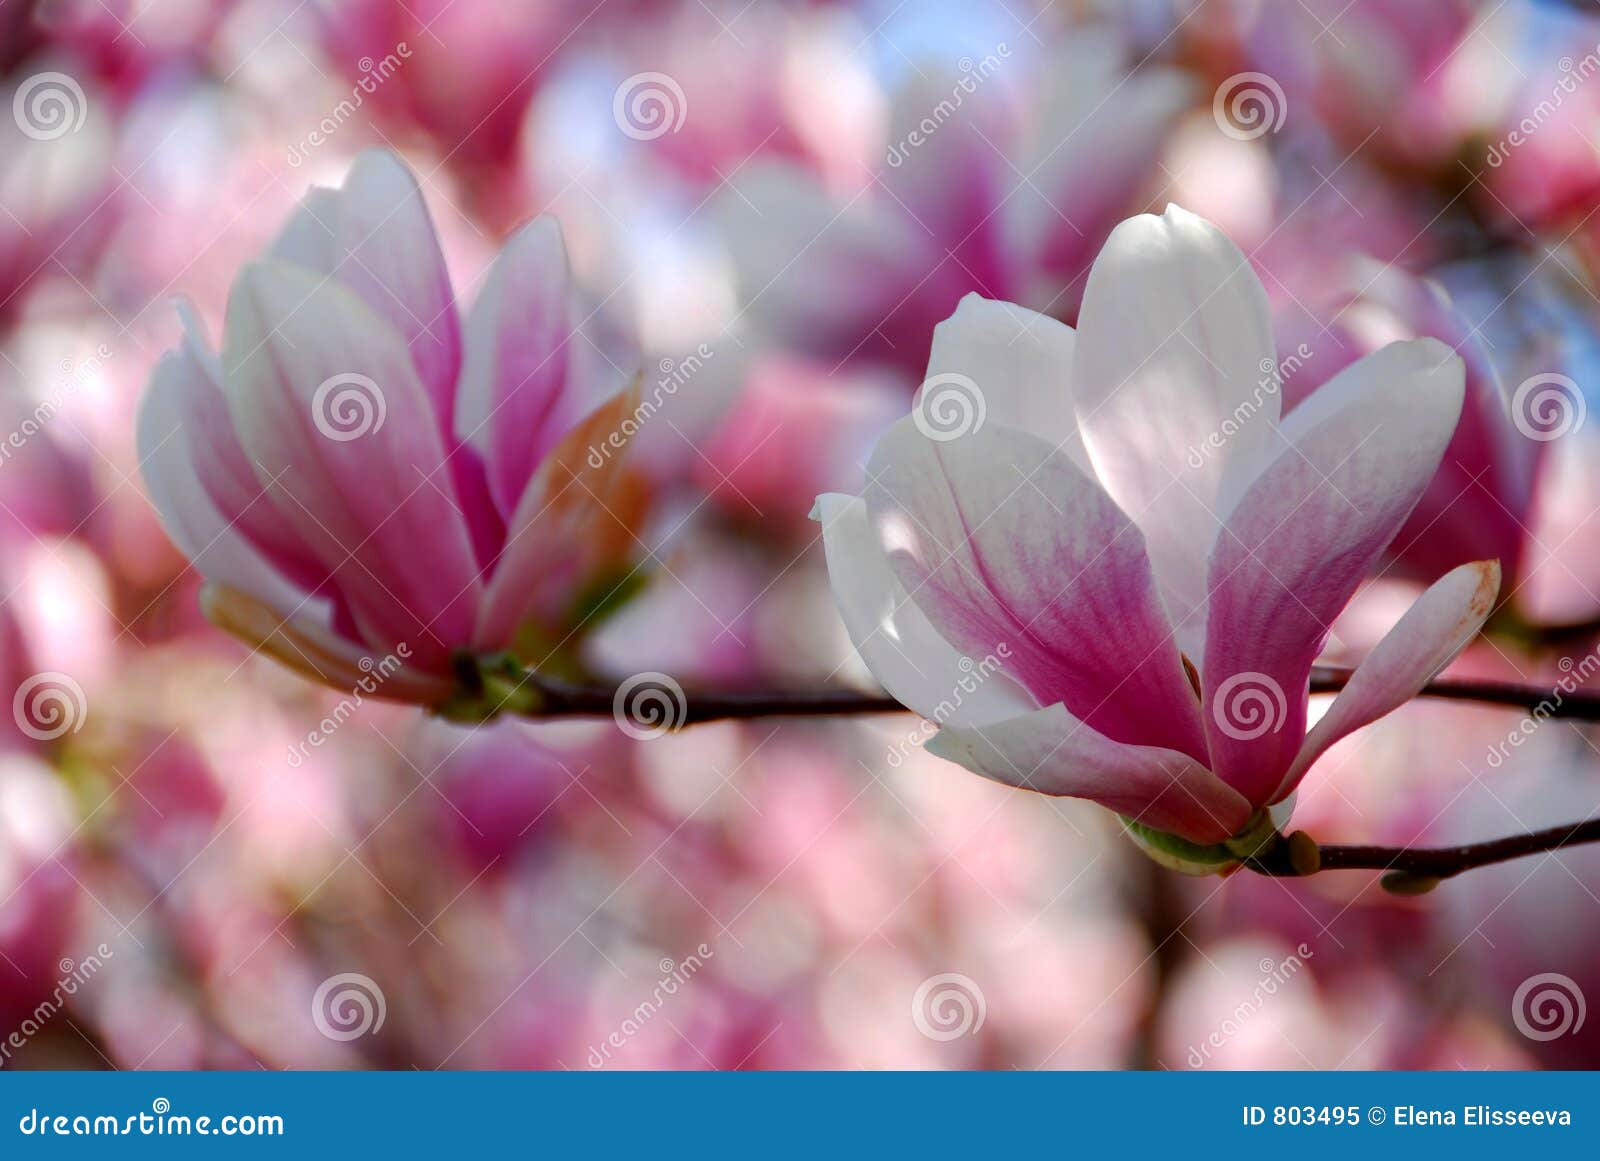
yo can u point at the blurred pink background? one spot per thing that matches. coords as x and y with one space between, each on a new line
770 205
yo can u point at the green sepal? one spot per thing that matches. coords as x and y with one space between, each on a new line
1191 858
1179 854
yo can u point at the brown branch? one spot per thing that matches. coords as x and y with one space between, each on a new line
535 696
1411 870
1578 705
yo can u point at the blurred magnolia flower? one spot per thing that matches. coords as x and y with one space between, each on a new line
976 196
361 473
39 891
1146 616
1366 70
1479 504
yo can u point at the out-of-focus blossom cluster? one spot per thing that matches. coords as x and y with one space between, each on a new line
747 222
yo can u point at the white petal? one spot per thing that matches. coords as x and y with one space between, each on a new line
1175 389
1053 752
1019 362
916 665
1441 623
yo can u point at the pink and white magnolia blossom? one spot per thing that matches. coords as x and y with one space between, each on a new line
363 472
1145 556
978 193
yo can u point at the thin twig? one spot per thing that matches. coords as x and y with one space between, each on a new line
1421 867
1578 705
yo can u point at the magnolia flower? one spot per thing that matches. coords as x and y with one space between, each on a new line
975 195
1145 558
362 473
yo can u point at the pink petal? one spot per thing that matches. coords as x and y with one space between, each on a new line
301 642
1174 389
513 403
574 527
1441 623
1303 537
331 414
187 403
176 424
999 539
919 668
1054 753
388 253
